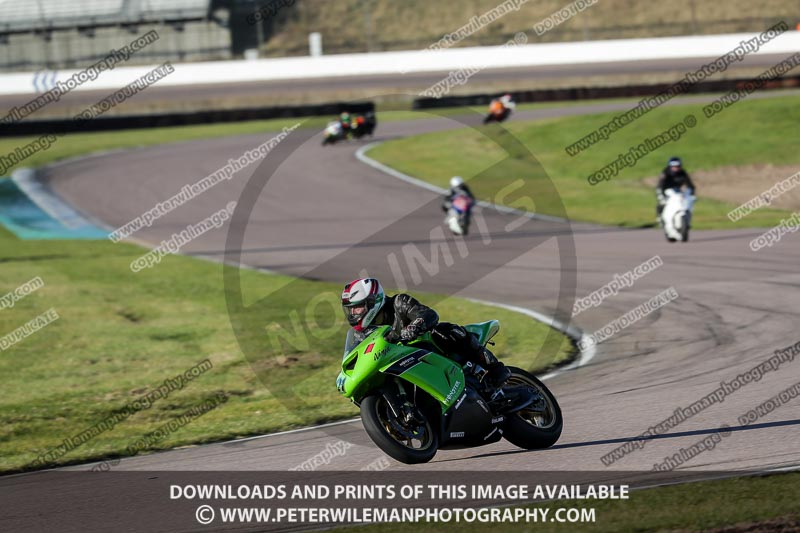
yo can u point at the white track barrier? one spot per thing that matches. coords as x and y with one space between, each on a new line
393 63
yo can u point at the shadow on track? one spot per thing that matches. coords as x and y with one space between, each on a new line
710 431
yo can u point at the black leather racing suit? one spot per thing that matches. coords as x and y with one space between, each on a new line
410 319
671 180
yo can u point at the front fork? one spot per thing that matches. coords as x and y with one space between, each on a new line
403 409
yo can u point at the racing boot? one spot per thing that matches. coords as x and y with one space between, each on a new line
497 373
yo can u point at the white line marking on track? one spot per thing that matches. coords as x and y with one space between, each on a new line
570 331
361 156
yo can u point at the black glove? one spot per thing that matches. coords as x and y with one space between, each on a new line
413 330
392 336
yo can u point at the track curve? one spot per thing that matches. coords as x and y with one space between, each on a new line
735 306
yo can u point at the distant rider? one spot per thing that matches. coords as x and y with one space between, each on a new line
344 120
507 101
672 177
365 305
498 105
457 188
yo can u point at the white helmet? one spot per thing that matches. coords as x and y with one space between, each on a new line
456 181
362 300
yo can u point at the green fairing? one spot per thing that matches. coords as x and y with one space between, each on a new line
364 368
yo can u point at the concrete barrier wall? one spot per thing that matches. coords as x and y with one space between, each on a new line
396 63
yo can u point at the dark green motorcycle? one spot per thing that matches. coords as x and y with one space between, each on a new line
415 401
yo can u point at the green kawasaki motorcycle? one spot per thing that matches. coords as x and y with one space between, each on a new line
415 401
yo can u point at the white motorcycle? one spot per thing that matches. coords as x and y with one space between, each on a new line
333 133
458 215
676 218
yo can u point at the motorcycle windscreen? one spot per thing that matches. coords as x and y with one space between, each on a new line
484 330
437 375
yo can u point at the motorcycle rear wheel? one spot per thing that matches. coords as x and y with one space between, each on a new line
408 445
533 429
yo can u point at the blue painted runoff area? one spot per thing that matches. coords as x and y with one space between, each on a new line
47 218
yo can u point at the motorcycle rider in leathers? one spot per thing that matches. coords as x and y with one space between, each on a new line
672 177
457 188
365 304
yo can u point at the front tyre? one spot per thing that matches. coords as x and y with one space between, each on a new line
538 426
685 229
409 443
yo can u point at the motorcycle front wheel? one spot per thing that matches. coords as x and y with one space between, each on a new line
685 229
410 443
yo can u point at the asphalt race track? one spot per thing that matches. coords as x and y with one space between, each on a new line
323 214
735 306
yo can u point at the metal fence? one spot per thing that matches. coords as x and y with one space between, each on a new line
64 49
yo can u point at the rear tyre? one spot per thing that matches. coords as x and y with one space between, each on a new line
409 444
537 427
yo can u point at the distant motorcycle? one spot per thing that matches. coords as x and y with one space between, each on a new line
676 217
363 125
499 110
497 116
458 215
333 133
356 127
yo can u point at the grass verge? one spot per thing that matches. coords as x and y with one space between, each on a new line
122 334
78 144
750 132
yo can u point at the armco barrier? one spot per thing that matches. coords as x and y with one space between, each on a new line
36 127
124 122
590 93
